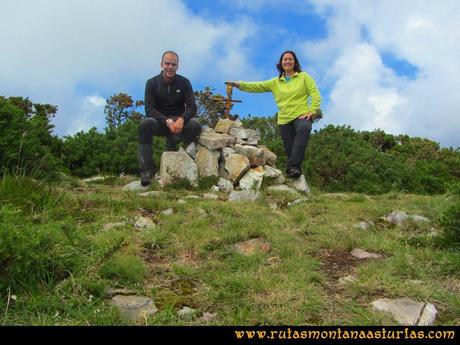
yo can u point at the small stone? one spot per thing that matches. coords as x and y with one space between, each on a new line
144 223
214 189
347 280
134 307
396 217
167 212
202 212
362 254
187 313
181 201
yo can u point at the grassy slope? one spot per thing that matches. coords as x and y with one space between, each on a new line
189 259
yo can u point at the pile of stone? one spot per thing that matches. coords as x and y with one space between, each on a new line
229 152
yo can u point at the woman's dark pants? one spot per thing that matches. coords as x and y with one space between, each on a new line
295 136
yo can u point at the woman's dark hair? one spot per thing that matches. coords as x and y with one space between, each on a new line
297 67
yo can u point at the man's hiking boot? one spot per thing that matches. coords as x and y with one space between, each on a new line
147 168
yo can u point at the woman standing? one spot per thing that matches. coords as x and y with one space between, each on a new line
291 89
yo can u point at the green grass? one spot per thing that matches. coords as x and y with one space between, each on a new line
58 260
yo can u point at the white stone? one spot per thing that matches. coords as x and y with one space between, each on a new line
167 212
181 201
252 179
215 141
178 165
192 150
187 313
207 162
407 312
271 172
300 184
362 254
144 223
396 217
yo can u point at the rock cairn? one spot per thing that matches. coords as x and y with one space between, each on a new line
228 152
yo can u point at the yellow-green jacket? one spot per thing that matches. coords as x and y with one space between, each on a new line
291 97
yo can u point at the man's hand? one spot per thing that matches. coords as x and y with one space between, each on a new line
233 83
177 126
308 116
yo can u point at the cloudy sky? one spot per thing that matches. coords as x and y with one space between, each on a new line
390 64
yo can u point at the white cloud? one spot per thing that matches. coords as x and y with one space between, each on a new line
368 95
96 101
60 52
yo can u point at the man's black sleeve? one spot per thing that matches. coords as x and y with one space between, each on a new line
150 104
190 105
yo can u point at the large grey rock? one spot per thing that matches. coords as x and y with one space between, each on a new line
252 179
224 185
254 154
224 125
192 150
215 141
236 165
207 162
362 254
245 134
300 184
175 165
227 151
271 172
243 195
135 308
134 186
270 157
407 312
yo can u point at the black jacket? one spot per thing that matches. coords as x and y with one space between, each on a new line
163 100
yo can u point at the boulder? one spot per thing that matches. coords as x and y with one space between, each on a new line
175 165
207 162
236 166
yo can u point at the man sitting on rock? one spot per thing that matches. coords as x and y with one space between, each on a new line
170 108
